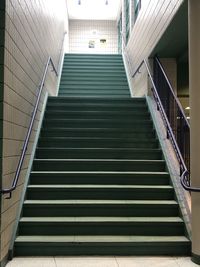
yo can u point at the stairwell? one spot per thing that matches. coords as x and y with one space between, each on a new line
99 183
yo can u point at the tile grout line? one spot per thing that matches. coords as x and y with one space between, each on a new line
55 262
116 261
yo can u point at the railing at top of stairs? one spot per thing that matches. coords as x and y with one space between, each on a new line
176 137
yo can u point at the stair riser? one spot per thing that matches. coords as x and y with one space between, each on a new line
68 108
95 77
109 210
98 144
93 96
92 133
93 93
97 166
94 83
92 154
123 249
92 71
104 193
88 178
92 115
133 102
89 63
92 228
82 57
91 90
98 124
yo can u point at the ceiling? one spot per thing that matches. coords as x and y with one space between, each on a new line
93 9
174 42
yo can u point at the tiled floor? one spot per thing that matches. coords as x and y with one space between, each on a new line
101 262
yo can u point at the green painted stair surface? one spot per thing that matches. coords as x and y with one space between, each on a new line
99 184
93 76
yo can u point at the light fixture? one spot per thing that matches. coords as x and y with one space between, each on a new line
106 3
188 118
79 2
187 108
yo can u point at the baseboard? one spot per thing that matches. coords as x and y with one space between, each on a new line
4 261
195 258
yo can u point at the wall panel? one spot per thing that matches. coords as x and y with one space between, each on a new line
34 30
83 31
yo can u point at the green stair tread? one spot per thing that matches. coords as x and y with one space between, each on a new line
128 139
103 149
106 239
99 202
102 172
102 99
103 160
91 186
102 219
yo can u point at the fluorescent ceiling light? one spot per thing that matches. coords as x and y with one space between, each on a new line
187 108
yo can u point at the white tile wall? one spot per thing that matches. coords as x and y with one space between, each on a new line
152 21
82 31
34 31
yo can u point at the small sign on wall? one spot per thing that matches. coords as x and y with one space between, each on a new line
103 42
91 44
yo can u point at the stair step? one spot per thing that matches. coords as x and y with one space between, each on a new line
94 153
98 164
111 208
97 133
102 245
93 68
93 96
93 83
163 226
97 64
84 142
65 88
91 108
92 90
99 71
129 101
95 114
96 76
99 178
123 192
104 123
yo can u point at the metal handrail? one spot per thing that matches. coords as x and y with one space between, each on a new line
124 48
184 173
25 145
172 91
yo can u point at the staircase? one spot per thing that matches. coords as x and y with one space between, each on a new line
93 76
99 183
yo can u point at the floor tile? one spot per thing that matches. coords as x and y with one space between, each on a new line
86 262
32 262
101 262
146 262
185 262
